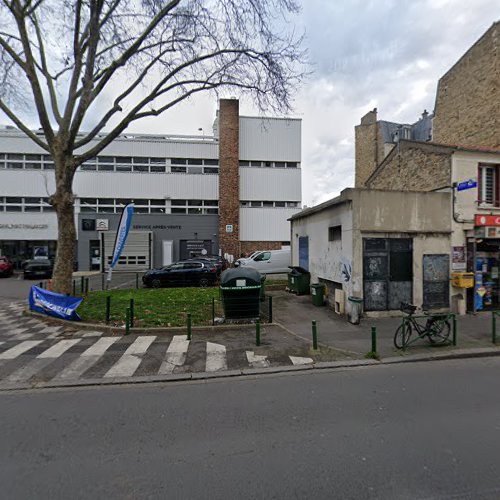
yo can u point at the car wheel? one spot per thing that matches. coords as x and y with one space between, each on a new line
204 282
156 283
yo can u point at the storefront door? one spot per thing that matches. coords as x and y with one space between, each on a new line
487 286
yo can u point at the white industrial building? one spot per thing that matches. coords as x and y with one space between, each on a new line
174 182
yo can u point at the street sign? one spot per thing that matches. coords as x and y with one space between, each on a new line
487 220
462 186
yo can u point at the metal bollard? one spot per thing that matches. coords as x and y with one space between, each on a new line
493 327
74 287
131 307
127 321
136 281
108 308
82 279
270 309
374 339
315 335
257 333
87 286
213 311
454 330
189 326
40 285
102 281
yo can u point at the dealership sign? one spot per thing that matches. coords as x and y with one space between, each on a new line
487 220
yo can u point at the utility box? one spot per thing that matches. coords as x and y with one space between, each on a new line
462 280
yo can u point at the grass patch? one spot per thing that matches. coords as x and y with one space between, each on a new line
167 307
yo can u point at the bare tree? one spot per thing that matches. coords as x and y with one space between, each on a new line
92 67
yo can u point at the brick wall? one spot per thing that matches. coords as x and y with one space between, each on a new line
229 179
467 110
366 154
414 166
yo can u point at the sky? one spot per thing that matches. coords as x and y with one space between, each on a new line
363 54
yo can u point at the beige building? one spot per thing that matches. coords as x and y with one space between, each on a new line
382 246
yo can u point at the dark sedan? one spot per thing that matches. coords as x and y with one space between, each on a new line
187 273
37 268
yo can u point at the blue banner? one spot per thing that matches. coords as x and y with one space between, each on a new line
121 236
54 304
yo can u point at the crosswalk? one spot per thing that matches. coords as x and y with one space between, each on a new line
32 351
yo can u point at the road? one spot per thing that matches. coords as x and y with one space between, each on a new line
415 430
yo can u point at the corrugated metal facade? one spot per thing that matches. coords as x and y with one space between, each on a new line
270 139
274 184
265 224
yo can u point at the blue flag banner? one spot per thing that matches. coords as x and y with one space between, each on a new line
54 304
121 236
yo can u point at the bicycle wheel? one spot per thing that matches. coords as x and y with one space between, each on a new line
402 335
439 331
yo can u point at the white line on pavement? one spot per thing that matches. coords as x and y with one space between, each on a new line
256 360
216 357
19 349
297 360
57 349
175 355
131 359
100 347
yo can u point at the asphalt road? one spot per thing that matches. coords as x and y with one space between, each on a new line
419 430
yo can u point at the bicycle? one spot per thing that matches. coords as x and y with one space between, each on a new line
436 328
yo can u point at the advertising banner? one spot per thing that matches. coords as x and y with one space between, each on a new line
121 236
54 304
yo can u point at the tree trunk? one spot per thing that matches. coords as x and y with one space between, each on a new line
62 201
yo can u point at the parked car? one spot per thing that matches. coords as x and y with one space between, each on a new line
220 263
6 266
38 268
268 261
184 273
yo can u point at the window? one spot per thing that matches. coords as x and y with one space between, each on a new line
211 162
178 170
262 257
244 163
195 161
335 233
488 184
279 204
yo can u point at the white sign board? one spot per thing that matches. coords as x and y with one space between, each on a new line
102 224
229 228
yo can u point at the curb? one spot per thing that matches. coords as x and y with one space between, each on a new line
250 372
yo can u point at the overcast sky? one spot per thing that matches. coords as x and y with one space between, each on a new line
387 54
365 53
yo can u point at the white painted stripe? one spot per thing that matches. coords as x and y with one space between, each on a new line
24 373
17 331
216 357
91 334
175 355
297 360
131 359
141 344
51 329
77 368
19 349
57 349
100 347
256 360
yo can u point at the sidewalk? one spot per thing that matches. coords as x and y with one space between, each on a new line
295 313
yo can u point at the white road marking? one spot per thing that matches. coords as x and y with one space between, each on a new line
27 371
87 359
17 331
100 347
51 329
19 349
90 334
131 359
256 360
175 355
297 360
57 349
216 357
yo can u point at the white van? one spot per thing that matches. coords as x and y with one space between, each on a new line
268 261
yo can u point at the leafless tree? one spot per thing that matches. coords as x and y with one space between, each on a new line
91 67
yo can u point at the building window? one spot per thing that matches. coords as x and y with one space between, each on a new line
335 233
488 184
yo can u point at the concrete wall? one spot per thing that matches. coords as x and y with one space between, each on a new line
467 109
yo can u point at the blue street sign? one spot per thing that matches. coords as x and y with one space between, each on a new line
462 186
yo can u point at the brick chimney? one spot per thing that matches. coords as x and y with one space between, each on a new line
366 147
229 176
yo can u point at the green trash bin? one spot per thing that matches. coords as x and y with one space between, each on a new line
355 310
299 280
240 290
318 294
